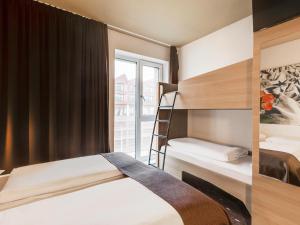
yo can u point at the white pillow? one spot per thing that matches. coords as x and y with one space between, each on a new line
207 149
49 178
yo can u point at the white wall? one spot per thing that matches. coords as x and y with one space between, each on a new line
281 55
229 45
222 126
120 41
226 46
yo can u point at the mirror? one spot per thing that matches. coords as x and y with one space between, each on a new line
280 112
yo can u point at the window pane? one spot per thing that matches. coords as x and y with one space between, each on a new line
150 79
125 81
146 133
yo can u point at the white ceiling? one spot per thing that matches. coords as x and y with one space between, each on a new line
175 22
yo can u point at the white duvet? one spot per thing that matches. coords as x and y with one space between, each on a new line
30 183
207 149
119 202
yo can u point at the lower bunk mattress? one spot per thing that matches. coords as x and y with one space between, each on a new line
240 169
144 195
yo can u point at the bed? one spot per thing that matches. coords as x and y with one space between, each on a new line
227 88
30 183
229 168
141 195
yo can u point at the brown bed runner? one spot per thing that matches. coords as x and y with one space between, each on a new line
280 165
194 207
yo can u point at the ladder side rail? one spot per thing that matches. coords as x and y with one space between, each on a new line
153 131
168 129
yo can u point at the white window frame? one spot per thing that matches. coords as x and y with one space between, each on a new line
163 77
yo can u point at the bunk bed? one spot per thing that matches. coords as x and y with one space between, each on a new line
228 88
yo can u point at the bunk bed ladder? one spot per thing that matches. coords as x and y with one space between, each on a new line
165 137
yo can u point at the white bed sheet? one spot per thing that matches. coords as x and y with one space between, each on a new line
240 169
29 183
123 201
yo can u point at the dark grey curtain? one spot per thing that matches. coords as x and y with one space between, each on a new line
53 84
174 65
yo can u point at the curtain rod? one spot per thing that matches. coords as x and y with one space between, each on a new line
120 30
114 28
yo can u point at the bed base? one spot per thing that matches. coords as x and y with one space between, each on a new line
242 191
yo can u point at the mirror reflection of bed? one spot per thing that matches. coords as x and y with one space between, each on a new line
280 112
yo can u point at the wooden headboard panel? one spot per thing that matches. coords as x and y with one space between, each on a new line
225 88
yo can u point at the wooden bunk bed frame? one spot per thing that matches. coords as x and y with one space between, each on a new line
226 88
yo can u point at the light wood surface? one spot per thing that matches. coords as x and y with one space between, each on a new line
229 127
273 202
178 126
225 88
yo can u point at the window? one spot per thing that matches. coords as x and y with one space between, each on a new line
135 104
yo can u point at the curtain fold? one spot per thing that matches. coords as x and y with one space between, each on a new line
174 65
53 84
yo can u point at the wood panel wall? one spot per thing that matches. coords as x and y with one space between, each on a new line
229 127
274 202
178 126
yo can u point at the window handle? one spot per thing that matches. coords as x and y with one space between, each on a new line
142 97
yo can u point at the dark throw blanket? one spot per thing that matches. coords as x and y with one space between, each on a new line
280 165
194 207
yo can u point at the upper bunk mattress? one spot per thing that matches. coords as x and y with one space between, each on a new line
30 183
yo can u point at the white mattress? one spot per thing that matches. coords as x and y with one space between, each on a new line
208 149
123 201
34 182
240 169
